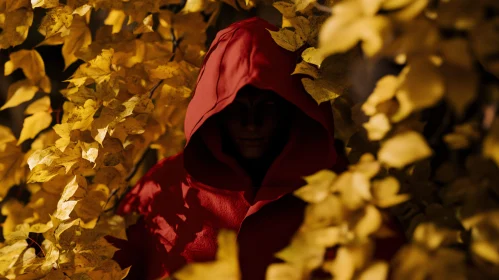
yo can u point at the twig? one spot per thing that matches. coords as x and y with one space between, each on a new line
175 43
136 166
323 8
33 241
154 88
109 198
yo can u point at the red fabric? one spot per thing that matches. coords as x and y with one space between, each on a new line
186 199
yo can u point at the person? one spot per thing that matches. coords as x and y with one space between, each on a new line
252 134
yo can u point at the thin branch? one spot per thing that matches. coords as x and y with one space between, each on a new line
175 42
136 166
34 242
151 93
323 8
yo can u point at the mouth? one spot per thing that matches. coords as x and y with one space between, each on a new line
252 141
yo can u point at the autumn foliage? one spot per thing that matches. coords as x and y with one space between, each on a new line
423 142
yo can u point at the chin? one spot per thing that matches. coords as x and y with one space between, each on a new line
251 154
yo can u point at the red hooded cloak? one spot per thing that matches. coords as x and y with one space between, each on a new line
186 199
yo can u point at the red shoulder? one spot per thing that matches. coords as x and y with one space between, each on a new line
164 174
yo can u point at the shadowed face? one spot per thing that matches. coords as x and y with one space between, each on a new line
256 122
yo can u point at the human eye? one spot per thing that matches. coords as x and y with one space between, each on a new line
269 103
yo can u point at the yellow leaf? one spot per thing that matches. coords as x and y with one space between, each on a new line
9 255
57 20
306 69
395 4
336 27
145 26
63 130
419 37
313 56
193 6
461 87
421 86
457 141
45 140
40 105
20 92
46 4
457 52
17 217
328 212
90 151
43 156
79 37
287 39
15 28
33 125
92 205
302 254
410 11
371 7
93 254
377 127
98 69
177 74
285 8
318 186
6 135
83 10
30 62
66 206
351 23
246 4
343 266
487 251
57 39
100 134
116 19
41 228
376 271
42 173
403 149
354 189
324 237
484 42
12 5
385 192
302 5
69 189
61 233
283 271
384 91
110 270
302 26
491 142
78 117
321 90
432 236
225 267
367 166
374 33
12 166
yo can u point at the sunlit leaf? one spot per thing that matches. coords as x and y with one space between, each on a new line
20 92
34 124
403 149
287 39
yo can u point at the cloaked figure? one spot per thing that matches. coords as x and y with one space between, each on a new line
252 134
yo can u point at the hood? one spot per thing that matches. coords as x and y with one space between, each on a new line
245 54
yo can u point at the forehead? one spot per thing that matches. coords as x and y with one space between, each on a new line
253 94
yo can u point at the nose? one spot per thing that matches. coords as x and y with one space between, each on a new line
251 124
